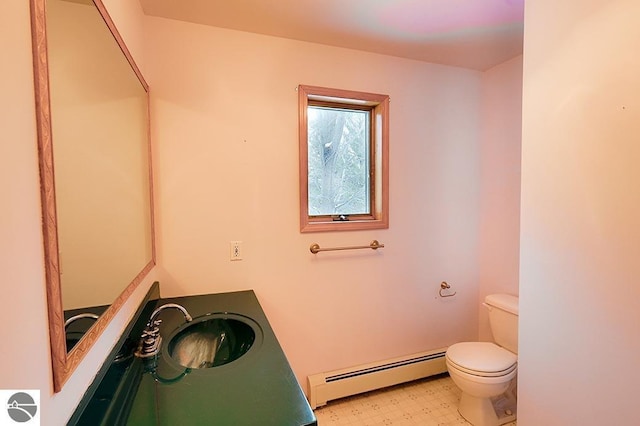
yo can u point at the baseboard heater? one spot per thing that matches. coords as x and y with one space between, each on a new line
337 384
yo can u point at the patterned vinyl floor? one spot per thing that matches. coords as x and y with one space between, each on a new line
428 402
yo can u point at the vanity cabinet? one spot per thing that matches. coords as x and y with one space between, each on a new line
258 387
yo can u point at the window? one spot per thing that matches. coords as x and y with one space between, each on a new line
344 152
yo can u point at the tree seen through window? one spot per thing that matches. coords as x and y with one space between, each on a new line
338 161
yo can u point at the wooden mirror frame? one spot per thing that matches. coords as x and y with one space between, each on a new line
64 363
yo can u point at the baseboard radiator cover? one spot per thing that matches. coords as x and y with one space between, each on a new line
337 384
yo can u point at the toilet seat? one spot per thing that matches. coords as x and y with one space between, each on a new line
483 359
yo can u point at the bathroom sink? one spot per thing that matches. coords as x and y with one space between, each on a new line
213 340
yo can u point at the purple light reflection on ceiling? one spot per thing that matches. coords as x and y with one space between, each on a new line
410 19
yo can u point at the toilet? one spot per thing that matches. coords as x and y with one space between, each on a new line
486 372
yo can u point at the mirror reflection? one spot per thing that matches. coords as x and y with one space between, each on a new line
92 110
99 130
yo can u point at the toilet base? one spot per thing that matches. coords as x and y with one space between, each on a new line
494 411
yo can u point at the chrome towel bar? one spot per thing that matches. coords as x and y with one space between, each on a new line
374 245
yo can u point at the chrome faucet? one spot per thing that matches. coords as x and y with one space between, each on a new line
155 313
74 318
150 340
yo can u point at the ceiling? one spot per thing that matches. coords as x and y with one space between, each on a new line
476 34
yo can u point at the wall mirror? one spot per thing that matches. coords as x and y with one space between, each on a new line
93 141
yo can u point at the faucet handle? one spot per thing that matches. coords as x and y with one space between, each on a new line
149 346
150 340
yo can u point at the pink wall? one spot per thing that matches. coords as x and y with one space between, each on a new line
580 226
501 134
23 310
226 153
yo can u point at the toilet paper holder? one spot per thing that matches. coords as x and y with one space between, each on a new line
445 286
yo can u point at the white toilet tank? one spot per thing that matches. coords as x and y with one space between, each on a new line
503 319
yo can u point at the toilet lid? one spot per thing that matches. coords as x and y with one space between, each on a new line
482 358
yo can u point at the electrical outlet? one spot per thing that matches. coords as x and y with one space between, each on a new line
236 250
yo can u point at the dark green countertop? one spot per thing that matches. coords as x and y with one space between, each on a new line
259 388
